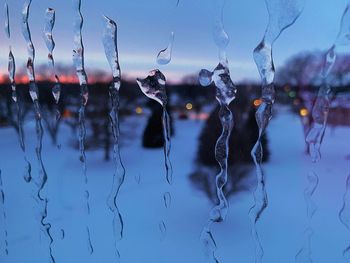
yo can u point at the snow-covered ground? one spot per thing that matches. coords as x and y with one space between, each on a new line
281 226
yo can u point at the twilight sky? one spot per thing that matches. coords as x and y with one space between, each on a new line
145 26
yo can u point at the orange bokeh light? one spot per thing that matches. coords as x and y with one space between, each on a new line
257 102
303 112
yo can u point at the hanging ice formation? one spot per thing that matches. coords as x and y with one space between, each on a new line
321 107
41 181
111 50
282 14
154 87
50 18
78 60
225 94
11 74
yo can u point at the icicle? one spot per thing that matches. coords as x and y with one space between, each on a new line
304 254
344 215
41 182
78 60
4 216
154 88
110 45
282 14
321 107
50 18
11 73
225 94
50 44
164 56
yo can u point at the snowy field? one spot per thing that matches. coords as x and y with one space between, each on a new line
281 226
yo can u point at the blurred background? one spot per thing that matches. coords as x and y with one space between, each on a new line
144 28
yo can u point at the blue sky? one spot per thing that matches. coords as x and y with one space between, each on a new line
145 26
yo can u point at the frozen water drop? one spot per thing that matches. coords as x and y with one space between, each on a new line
205 77
153 86
164 56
